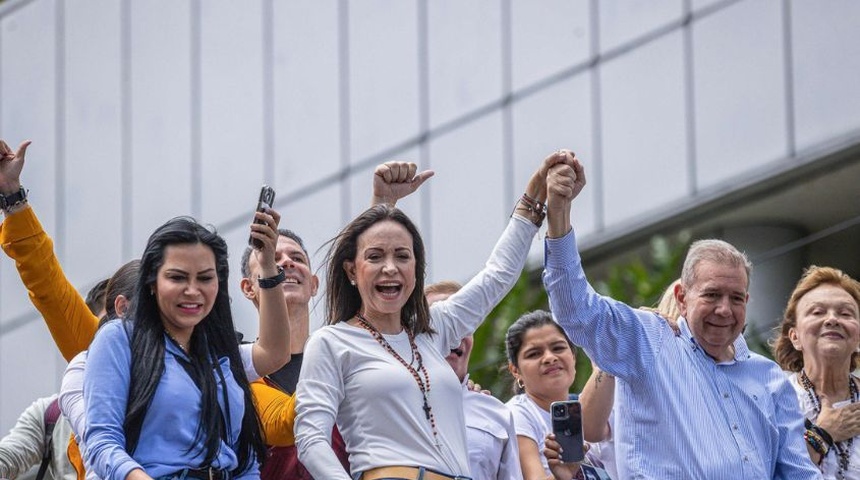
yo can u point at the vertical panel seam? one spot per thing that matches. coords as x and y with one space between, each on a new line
127 188
690 94
507 104
596 117
268 92
196 112
425 196
60 239
345 121
788 56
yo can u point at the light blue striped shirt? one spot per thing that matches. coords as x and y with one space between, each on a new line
678 413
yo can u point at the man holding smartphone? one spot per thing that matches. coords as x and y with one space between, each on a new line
699 405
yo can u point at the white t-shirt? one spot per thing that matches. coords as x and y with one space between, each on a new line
532 422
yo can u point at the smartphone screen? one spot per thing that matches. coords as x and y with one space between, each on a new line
266 200
567 427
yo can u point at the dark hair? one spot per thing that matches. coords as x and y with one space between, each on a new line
123 283
788 357
517 333
282 232
96 297
213 338
343 300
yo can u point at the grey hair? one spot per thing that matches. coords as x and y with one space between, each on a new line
716 251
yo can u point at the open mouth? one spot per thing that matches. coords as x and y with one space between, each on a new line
389 289
457 351
292 281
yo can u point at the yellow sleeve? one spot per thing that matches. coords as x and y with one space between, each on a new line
69 319
75 458
277 411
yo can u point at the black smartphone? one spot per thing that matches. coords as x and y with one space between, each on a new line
267 199
567 427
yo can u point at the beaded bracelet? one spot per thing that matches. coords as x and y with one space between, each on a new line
824 434
816 442
535 208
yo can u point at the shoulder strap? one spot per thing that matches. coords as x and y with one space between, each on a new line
52 413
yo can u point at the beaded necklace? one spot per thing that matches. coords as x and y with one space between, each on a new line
843 449
423 384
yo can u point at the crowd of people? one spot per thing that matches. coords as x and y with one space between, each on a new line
160 385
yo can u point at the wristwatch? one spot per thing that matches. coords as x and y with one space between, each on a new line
17 198
272 282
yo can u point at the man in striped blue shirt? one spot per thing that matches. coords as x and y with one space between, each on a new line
698 405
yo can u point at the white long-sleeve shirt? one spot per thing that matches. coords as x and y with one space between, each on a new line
349 379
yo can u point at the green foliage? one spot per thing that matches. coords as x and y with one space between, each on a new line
637 281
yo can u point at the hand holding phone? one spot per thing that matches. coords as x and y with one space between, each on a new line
567 427
267 199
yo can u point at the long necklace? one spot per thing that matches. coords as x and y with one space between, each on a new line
843 449
423 383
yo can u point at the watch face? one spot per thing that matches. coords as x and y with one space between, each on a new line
7 201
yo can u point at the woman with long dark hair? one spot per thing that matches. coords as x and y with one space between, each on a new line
165 389
378 368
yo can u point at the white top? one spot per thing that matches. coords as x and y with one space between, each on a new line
349 379
532 422
72 397
830 465
490 437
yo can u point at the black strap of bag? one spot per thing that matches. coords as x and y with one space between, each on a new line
52 413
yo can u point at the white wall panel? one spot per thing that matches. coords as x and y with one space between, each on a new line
91 241
28 367
621 22
548 36
739 90
160 147
232 107
644 134
556 118
827 69
383 74
465 64
466 210
306 87
27 106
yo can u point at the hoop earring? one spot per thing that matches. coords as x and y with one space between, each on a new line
520 384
